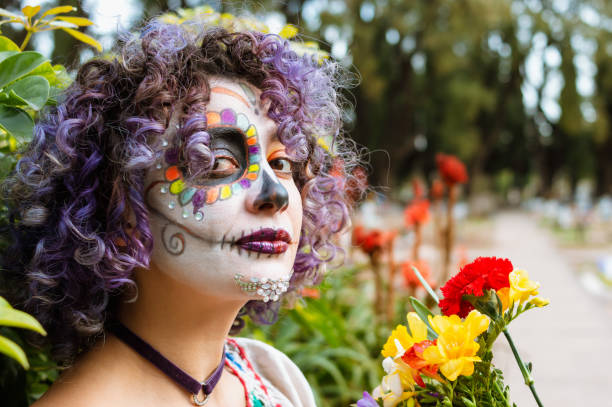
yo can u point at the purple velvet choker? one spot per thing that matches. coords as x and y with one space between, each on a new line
174 372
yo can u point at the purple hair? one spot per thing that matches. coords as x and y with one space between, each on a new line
84 170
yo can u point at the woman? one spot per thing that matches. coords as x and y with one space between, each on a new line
175 189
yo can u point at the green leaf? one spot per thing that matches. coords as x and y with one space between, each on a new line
77 21
58 10
423 312
30 11
62 24
7 45
84 38
9 98
19 65
17 122
12 350
6 54
9 316
55 74
34 90
6 13
426 285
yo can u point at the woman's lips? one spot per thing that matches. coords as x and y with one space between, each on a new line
266 240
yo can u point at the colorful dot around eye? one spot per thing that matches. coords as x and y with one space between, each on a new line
212 195
242 122
253 168
226 192
228 116
252 141
212 118
186 195
177 186
172 173
236 188
251 131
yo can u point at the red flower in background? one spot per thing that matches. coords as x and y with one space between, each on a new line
484 273
451 169
417 212
410 278
372 240
437 189
310 292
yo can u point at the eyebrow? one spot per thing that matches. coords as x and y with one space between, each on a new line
226 91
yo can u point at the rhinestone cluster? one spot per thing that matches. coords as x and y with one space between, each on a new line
269 289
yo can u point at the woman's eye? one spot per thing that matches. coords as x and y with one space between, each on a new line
282 165
224 166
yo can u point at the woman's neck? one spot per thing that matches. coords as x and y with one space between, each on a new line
185 326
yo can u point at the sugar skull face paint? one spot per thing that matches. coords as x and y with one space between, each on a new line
243 217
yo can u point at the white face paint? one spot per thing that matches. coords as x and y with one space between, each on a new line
248 210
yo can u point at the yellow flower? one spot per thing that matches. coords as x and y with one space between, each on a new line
400 340
521 287
504 296
539 302
456 348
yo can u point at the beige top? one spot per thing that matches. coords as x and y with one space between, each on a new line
268 376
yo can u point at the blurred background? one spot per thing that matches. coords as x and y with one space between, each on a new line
518 96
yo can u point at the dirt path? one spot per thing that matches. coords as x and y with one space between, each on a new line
570 341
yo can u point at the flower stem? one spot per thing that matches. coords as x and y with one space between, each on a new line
526 373
25 40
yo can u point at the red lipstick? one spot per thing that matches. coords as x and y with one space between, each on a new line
266 240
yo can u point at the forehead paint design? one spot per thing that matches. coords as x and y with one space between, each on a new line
229 92
199 195
251 96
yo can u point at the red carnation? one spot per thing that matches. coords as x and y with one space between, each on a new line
417 213
484 273
451 169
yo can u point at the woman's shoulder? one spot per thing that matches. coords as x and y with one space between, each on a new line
273 367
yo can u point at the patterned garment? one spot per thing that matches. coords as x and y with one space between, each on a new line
255 391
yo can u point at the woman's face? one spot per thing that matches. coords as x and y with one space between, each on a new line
243 217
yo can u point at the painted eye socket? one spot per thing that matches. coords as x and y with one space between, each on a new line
282 165
224 166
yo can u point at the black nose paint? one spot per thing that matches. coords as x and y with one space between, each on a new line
273 194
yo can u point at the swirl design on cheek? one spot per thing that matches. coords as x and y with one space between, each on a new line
200 195
174 243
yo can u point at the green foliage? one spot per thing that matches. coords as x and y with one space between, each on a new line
27 79
18 319
56 20
28 82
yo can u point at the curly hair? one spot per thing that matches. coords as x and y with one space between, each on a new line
84 169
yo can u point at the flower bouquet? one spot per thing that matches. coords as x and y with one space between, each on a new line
446 360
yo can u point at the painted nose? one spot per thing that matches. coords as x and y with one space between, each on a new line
272 197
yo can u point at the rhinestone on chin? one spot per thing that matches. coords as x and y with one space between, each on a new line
269 289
